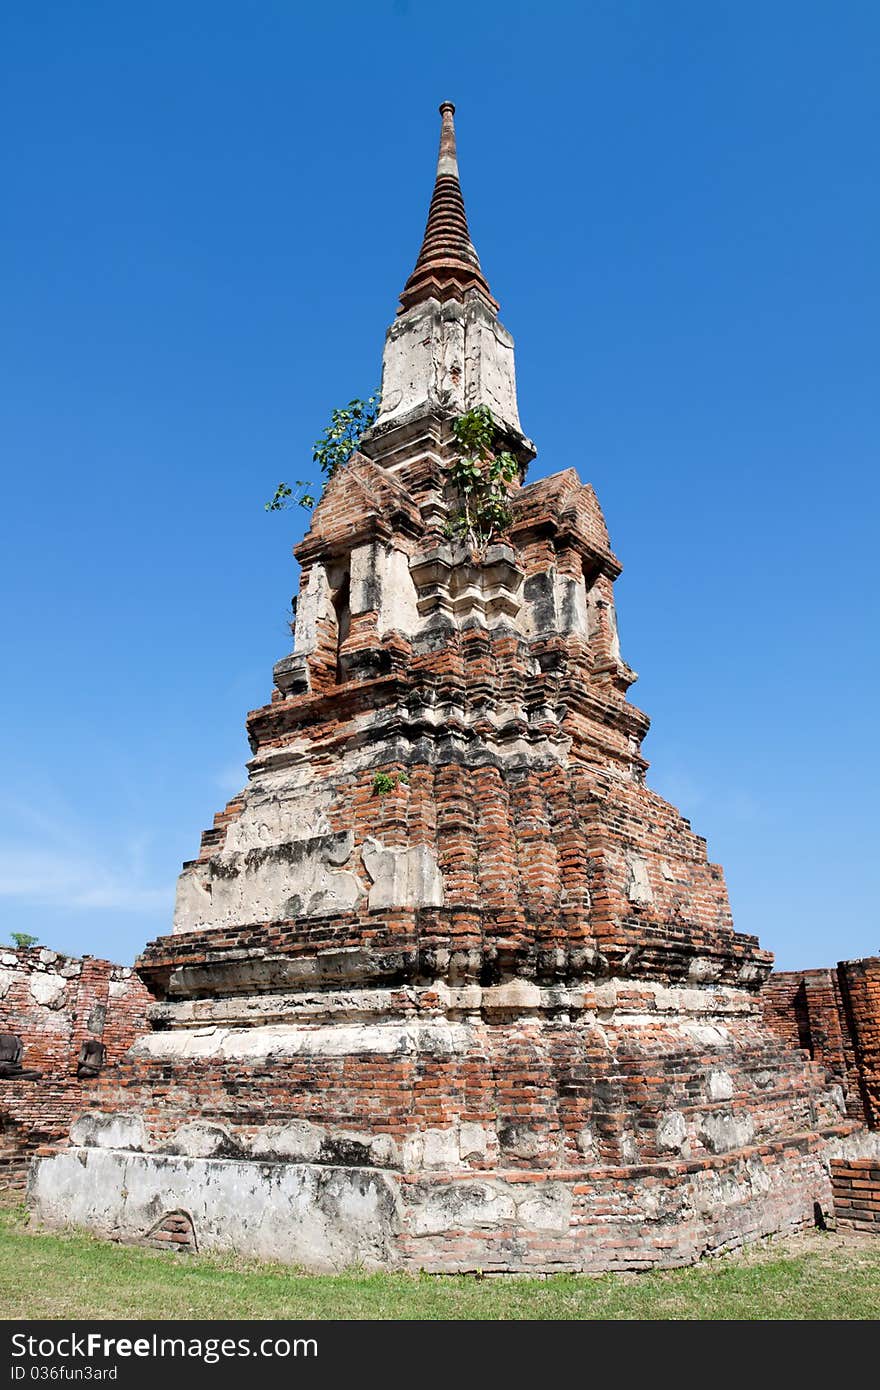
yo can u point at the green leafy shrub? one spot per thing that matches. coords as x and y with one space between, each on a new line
331 452
383 782
482 474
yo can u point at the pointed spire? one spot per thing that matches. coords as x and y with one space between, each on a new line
448 266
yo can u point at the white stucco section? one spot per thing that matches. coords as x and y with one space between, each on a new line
555 602
322 1218
48 989
437 1038
490 377
281 806
452 355
296 879
398 609
366 571
280 859
638 886
402 876
313 602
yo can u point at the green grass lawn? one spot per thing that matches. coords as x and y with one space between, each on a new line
76 1276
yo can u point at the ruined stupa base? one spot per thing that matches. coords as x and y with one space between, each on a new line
325 1218
619 1125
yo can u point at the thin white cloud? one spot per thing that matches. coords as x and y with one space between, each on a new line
48 858
49 877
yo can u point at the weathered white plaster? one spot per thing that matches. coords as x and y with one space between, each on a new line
546 1208
296 878
722 1131
703 968
614 629
438 1038
586 1143
672 1131
365 577
749 972
638 888
402 876
297 1140
719 1084
865 1143
312 604
474 1143
459 586
433 1148
709 1034
48 988
199 1139
514 996
434 1209
398 609
320 1217
96 1129
454 356
279 807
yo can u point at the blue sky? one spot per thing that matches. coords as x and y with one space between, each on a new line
210 210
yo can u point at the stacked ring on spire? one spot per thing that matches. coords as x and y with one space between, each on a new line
448 265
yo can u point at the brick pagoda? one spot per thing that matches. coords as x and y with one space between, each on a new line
448 986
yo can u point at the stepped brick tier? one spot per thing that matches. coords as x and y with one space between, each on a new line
488 1010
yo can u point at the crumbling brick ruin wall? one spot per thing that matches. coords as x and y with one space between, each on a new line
835 1016
856 1187
55 1003
13 1159
860 991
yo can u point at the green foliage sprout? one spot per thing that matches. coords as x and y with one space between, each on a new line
482 475
331 452
383 782
23 939
299 495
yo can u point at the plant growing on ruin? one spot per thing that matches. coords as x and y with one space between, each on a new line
482 474
285 496
331 452
23 939
383 782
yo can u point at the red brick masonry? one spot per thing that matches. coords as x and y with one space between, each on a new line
835 1016
55 1003
856 1187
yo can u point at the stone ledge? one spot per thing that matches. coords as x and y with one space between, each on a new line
326 1218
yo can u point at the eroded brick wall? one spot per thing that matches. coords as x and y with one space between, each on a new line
55 1003
859 984
835 1016
855 1185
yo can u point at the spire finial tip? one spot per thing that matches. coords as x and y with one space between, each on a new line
448 266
